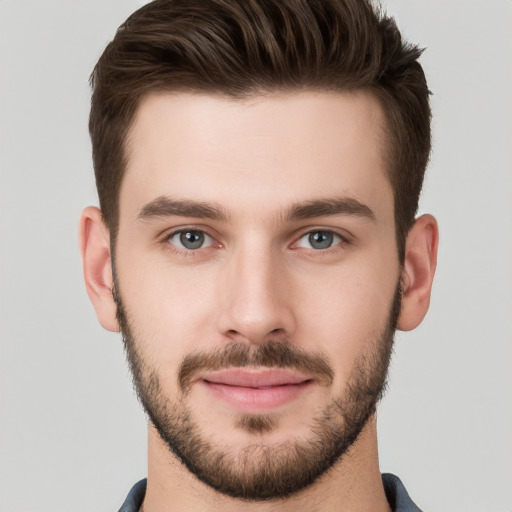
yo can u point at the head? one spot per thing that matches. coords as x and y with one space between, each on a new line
243 49
259 165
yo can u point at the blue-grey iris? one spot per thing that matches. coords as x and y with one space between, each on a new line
321 239
192 239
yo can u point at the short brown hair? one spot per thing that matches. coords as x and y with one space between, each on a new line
242 48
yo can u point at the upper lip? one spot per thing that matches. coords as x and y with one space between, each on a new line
255 378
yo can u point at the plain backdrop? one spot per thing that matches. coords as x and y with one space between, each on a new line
72 435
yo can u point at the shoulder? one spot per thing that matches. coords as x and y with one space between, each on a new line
397 494
135 497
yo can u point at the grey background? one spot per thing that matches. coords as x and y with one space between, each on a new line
72 436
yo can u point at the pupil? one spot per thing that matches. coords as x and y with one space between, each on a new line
192 239
321 239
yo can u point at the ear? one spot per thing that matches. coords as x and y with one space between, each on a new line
418 271
94 240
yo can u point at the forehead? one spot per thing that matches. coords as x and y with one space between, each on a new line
264 151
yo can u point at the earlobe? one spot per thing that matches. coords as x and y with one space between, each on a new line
94 241
418 271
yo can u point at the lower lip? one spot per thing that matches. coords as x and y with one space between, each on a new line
257 399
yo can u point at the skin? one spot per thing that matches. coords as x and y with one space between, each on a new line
259 276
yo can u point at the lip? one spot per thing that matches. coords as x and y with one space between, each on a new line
253 390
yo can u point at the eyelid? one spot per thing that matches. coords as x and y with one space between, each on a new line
346 238
343 233
165 238
208 240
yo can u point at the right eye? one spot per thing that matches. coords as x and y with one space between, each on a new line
190 239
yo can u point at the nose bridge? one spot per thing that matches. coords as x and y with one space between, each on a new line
254 304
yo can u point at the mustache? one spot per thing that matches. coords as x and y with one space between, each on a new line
273 354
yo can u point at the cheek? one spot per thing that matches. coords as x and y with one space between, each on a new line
344 313
338 309
168 308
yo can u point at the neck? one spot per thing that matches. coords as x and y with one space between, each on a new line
353 483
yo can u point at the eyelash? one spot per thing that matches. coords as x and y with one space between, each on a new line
184 251
343 241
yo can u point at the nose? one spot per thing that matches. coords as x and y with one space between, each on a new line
255 299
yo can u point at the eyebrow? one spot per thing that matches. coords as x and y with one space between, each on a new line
335 206
165 206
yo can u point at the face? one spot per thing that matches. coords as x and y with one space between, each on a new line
257 281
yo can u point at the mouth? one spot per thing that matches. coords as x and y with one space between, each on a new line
255 390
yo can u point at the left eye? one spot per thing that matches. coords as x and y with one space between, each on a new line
319 240
190 239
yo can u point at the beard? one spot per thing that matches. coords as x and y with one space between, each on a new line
260 471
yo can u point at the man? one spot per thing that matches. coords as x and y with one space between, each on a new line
258 167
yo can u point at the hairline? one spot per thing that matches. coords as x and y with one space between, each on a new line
384 134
